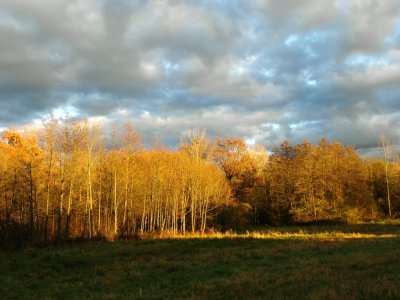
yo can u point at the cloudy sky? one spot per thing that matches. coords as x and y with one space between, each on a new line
262 70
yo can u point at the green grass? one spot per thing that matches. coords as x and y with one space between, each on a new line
315 262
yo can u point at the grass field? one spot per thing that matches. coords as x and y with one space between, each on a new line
317 262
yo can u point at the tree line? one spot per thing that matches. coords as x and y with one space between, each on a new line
71 180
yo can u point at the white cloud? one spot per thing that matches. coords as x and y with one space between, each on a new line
262 70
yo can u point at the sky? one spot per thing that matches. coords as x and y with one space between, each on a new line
261 70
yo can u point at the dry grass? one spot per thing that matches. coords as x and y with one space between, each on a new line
316 232
270 235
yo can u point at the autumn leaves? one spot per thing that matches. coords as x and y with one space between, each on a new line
81 183
70 179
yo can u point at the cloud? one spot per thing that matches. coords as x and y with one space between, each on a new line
262 70
368 23
302 16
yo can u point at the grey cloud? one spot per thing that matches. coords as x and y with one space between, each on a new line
305 15
220 122
368 23
262 70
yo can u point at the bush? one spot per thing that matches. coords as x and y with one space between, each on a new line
13 236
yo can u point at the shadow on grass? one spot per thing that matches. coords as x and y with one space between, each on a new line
206 267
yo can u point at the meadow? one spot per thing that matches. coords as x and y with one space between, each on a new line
303 262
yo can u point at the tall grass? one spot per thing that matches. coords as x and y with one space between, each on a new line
271 234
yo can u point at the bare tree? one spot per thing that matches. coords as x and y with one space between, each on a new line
387 149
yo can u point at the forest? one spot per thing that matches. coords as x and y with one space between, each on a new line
73 180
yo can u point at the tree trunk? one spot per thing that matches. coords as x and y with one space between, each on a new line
31 226
115 204
68 221
388 190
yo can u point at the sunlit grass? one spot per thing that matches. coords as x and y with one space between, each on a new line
302 235
381 230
